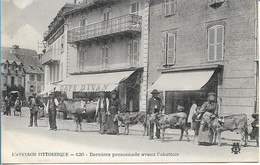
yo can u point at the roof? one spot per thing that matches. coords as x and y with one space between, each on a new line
31 64
27 57
6 55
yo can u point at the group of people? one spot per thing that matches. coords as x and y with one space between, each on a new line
50 106
17 105
106 111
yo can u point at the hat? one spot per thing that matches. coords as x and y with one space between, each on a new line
212 94
155 91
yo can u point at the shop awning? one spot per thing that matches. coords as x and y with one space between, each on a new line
182 81
93 82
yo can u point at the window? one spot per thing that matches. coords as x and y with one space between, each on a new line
50 74
32 88
5 80
83 22
61 71
39 78
20 81
12 80
5 66
216 3
216 43
169 7
39 89
32 77
169 48
106 15
20 68
105 57
133 53
134 8
62 44
82 59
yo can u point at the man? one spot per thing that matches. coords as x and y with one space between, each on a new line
101 111
52 104
7 106
34 104
154 106
18 106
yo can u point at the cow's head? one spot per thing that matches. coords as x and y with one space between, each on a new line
62 107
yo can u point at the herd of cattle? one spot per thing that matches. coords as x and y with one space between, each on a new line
236 122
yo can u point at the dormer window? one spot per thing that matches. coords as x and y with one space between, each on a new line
216 3
106 14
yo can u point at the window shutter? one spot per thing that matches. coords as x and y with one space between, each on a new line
211 44
135 53
220 41
102 57
130 53
173 6
171 49
164 48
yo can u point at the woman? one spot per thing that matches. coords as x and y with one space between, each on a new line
193 109
111 124
208 111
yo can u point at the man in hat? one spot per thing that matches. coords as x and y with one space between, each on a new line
154 106
34 104
52 105
102 110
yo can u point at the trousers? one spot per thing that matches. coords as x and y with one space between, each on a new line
33 117
52 119
102 120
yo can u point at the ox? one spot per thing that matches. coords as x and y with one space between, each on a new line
173 121
236 122
78 110
128 118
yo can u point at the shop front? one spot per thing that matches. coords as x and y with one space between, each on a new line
88 86
183 87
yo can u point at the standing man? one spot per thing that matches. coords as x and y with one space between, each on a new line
7 105
52 105
102 110
34 104
154 106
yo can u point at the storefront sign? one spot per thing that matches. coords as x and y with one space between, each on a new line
85 87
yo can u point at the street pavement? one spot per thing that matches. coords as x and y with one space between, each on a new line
89 146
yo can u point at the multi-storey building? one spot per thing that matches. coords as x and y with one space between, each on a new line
55 57
198 47
34 73
12 74
107 50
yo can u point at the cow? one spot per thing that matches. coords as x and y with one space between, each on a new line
77 110
236 122
128 118
173 121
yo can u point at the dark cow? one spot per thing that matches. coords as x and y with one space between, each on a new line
129 118
236 122
77 109
173 121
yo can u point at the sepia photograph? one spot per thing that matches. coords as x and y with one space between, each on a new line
129 81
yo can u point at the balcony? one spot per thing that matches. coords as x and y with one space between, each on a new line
49 57
124 24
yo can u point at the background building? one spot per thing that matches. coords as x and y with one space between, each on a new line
203 46
12 74
31 70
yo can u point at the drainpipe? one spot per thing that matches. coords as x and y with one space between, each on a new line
256 58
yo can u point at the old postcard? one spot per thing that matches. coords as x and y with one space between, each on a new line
129 81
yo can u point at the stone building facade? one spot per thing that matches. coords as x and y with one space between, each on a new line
191 37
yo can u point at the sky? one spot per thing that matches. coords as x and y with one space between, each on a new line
23 22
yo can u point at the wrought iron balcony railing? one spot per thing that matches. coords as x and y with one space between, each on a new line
49 57
128 23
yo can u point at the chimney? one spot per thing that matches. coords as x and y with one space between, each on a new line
75 1
15 46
